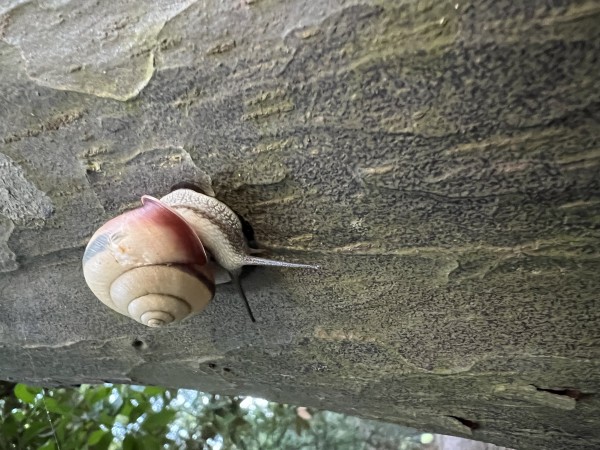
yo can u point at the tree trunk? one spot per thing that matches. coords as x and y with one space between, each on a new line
439 160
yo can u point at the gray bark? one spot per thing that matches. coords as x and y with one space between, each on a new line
440 161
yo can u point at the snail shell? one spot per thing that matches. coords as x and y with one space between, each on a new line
150 265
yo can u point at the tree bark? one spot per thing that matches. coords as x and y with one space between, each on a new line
439 160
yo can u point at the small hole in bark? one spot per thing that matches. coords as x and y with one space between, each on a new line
568 392
467 423
138 344
248 231
212 365
226 369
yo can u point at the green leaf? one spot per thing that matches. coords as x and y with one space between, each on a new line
98 394
60 430
25 393
153 390
10 428
133 394
137 412
129 443
106 441
126 409
150 443
33 431
106 419
159 419
50 445
96 437
53 406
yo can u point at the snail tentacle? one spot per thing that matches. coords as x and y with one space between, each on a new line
255 261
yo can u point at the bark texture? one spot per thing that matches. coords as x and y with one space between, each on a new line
440 160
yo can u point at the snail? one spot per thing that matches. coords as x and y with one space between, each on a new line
159 263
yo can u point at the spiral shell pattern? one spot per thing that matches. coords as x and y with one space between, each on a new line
149 264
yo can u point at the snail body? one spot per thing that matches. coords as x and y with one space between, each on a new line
220 230
157 263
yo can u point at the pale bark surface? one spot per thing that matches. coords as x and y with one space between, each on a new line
440 161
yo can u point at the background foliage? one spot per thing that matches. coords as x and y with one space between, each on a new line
149 418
